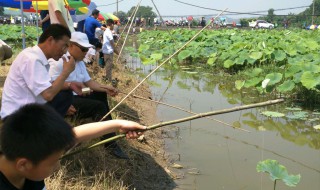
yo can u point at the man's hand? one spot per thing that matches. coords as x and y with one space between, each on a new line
68 66
110 90
132 129
71 111
77 87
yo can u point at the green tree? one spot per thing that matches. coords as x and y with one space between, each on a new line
143 12
270 16
121 15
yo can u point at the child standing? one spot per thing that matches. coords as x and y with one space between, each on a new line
108 48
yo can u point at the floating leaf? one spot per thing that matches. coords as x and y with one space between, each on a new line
298 115
253 82
272 114
293 109
317 127
178 166
239 84
278 172
261 128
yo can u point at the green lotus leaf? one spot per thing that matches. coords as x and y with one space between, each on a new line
293 109
279 55
274 78
253 82
256 55
286 86
143 47
239 84
309 80
278 172
184 54
156 56
228 63
311 44
272 114
211 61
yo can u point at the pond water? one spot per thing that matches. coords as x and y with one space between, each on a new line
217 156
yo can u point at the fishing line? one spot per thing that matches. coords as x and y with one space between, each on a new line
196 35
239 13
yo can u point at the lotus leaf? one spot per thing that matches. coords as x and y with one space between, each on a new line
309 80
239 84
272 114
278 172
274 78
317 127
279 55
287 86
256 55
184 54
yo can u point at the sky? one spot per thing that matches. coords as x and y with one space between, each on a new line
173 8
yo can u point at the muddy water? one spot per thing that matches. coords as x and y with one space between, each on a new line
216 156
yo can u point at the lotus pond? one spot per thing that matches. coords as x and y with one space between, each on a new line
206 154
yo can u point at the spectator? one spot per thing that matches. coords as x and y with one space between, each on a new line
28 80
45 19
95 104
59 13
34 138
90 26
108 48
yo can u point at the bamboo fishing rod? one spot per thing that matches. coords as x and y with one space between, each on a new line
175 53
161 124
182 109
124 43
133 14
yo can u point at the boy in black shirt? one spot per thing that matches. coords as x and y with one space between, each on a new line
34 138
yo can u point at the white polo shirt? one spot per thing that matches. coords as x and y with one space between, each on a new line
28 77
80 73
106 46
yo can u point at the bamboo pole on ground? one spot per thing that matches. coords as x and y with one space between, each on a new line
200 115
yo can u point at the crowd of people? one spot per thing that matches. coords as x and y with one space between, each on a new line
48 82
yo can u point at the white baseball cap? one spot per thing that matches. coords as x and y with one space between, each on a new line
81 39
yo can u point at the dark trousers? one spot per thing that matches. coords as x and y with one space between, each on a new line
62 101
93 106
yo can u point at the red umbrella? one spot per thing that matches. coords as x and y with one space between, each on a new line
190 18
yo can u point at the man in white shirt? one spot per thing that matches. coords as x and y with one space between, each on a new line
59 13
28 80
94 104
108 48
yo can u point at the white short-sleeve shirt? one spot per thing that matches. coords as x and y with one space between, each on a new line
106 46
28 77
60 5
80 73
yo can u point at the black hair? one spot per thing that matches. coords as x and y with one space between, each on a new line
98 45
110 22
57 31
95 12
35 132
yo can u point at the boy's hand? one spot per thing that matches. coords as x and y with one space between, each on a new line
71 111
131 129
